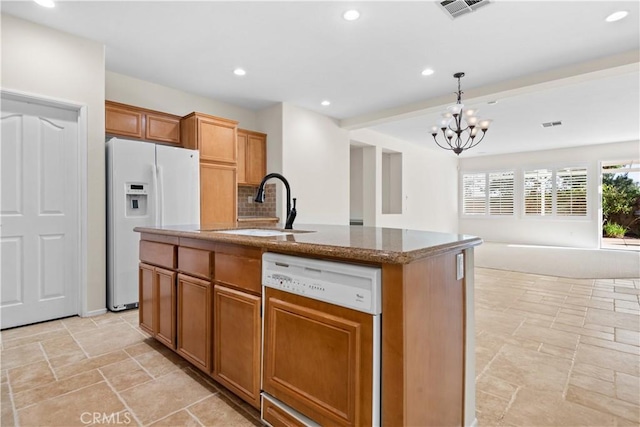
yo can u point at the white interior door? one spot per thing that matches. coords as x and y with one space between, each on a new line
39 213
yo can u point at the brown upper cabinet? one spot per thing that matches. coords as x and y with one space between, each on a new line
215 137
252 157
139 123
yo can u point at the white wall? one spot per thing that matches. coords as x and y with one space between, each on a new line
270 121
355 183
392 194
429 183
582 233
132 91
42 61
315 161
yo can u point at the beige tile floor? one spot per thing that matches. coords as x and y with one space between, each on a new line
550 352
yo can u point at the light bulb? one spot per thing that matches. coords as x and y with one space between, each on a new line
351 15
449 133
472 121
46 3
434 129
484 124
616 16
444 122
455 108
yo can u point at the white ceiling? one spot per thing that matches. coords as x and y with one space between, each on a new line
542 60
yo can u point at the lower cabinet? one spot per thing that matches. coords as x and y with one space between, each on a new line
210 316
146 298
166 307
236 342
194 321
157 306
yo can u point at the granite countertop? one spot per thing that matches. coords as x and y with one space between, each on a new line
385 245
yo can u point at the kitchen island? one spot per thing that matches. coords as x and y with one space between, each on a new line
200 294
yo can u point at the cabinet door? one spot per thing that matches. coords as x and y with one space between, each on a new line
236 342
164 128
165 285
242 161
194 321
256 158
120 120
217 140
218 194
146 310
318 358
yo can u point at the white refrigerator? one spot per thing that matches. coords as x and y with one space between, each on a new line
147 185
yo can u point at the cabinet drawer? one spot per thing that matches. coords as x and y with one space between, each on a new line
195 262
238 271
277 417
160 254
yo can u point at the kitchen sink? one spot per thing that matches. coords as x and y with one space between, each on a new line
256 232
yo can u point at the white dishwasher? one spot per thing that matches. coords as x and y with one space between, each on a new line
321 342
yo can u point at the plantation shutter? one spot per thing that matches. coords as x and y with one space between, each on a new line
501 193
474 194
538 192
571 192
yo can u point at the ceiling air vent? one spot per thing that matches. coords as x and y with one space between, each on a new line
455 8
551 124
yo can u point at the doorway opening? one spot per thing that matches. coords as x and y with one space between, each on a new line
620 225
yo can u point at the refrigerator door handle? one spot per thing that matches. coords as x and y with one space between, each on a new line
160 197
156 205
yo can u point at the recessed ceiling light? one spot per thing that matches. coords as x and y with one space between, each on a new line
351 15
427 72
45 3
616 16
494 102
239 72
325 103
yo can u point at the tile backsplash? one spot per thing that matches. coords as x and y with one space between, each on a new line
266 209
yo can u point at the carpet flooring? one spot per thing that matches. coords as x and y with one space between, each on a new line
557 261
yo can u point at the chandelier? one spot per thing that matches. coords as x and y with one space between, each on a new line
460 127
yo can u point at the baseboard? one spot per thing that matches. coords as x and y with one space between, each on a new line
94 313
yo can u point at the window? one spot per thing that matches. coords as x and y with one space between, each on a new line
501 193
560 192
488 193
538 199
474 194
571 192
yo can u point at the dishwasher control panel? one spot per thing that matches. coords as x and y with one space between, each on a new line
347 285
